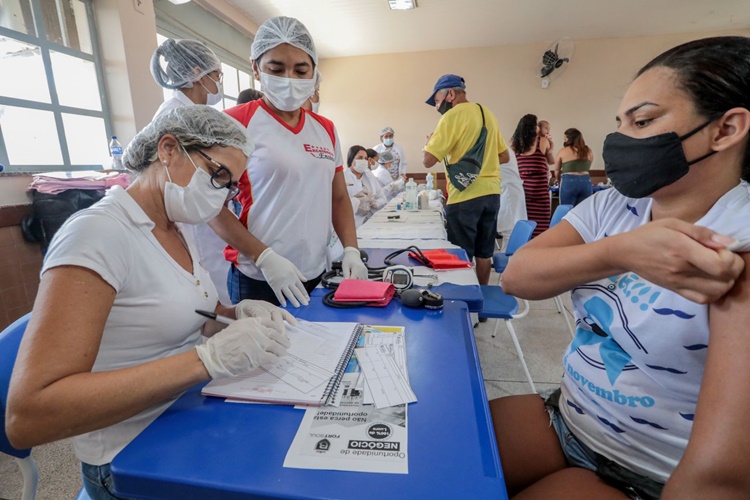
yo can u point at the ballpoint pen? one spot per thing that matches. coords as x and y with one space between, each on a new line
215 317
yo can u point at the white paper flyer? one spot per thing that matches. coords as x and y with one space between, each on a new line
352 436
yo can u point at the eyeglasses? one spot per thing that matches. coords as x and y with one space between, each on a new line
219 76
221 177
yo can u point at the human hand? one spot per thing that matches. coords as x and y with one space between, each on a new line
245 344
352 265
362 194
398 184
262 309
364 207
690 260
283 277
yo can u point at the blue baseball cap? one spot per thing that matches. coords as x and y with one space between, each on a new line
446 82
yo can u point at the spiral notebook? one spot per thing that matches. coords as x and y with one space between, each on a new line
309 374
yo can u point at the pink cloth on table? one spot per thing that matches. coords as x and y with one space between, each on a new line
57 182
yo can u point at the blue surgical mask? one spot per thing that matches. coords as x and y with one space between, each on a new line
388 142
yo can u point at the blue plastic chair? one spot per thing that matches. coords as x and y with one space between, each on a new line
560 212
501 306
520 235
10 339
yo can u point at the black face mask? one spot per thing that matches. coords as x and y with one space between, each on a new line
444 107
640 167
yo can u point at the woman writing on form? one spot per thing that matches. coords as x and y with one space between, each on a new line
114 338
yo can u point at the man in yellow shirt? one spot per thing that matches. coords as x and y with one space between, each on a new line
471 212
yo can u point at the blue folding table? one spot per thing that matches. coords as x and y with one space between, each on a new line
205 448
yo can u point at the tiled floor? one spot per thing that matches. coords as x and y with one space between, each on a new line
542 335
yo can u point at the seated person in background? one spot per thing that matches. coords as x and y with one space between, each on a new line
380 165
654 398
367 196
113 338
573 162
248 95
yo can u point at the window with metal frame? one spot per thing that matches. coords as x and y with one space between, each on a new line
54 111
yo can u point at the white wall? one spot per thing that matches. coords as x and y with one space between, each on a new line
365 93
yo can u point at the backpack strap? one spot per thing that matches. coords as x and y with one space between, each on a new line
481 111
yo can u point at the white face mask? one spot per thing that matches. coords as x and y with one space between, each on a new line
287 94
214 99
195 203
360 166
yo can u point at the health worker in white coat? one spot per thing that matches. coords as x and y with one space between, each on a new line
380 167
364 188
398 167
193 71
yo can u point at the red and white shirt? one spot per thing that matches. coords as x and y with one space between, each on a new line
287 189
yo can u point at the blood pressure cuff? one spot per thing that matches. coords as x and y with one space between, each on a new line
441 259
375 293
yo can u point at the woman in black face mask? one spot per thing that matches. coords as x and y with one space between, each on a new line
648 407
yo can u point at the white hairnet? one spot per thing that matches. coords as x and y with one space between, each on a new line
184 62
195 127
385 157
278 30
386 130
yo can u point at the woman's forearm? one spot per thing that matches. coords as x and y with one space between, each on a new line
231 230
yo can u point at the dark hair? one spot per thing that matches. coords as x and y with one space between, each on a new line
371 153
576 143
715 73
248 95
352 153
525 135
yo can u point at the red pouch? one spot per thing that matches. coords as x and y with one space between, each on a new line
375 293
441 259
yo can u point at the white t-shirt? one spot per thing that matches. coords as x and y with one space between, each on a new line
209 246
286 192
633 372
512 197
178 100
153 315
398 167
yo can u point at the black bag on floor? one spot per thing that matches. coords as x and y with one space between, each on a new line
50 211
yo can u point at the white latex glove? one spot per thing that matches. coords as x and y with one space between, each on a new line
364 207
362 195
262 309
245 344
352 265
283 277
397 185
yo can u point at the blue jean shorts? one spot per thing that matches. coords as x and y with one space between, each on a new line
577 454
97 480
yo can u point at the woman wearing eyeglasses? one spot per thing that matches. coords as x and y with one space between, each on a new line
114 338
191 70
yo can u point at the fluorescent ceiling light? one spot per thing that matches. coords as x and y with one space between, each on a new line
402 4
178 2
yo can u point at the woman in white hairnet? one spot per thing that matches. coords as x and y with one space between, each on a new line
191 70
398 167
114 338
382 172
365 192
194 72
294 188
